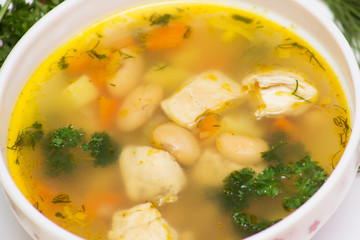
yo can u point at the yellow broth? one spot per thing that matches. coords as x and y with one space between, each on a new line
232 41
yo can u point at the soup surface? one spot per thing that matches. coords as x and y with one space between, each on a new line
172 121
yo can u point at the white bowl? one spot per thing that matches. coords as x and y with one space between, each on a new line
73 15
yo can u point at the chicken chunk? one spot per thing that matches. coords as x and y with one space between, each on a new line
280 92
141 222
208 91
151 174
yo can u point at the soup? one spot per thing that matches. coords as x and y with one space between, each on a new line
170 123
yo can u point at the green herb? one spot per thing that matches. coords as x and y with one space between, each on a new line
291 182
250 224
281 150
303 48
65 137
58 150
61 198
59 162
342 122
28 137
161 67
59 215
62 64
158 19
125 56
188 32
94 54
347 16
64 148
296 95
102 148
241 18
333 163
15 21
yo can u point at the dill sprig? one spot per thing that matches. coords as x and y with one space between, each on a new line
347 17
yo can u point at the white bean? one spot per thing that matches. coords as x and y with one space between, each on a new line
128 75
241 149
178 141
138 107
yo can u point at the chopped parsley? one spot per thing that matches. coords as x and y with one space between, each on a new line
102 148
291 182
65 147
17 19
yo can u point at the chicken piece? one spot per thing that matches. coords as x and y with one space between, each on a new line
208 91
151 174
280 92
141 222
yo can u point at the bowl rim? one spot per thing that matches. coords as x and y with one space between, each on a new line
62 10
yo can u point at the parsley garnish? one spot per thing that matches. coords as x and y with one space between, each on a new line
15 21
58 150
64 148
102 148
291 182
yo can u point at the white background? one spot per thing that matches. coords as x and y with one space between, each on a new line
344 224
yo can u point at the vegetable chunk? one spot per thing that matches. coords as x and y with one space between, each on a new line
80 92
150 174
143 221
280 92
208 91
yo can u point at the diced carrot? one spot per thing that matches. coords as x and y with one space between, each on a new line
103 203
168 36
107 110
98 77
208 126
79 65
285 125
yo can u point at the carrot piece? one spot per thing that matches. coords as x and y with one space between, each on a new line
107 110
103 203
98 77
79 65
284 124
208 126
167 36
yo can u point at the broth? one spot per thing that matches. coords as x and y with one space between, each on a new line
125 76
